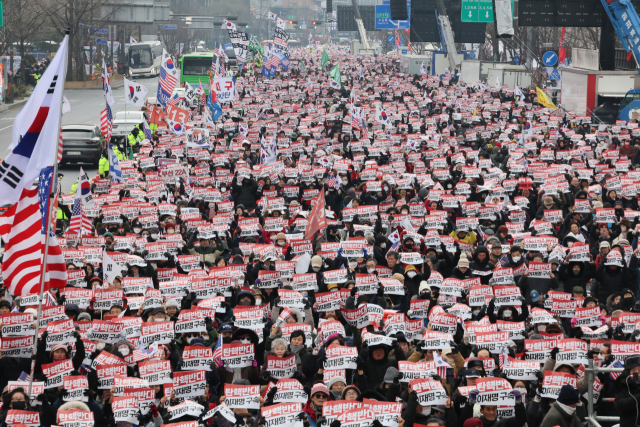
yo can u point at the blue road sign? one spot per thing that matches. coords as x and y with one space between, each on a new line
403 51
471 55
304 22
101 41
390 39
516 59
227 46
100 31
383 19
550 59
555 75
170 27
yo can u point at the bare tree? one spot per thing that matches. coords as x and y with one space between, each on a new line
25 20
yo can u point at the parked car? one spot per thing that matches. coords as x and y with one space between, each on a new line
81 143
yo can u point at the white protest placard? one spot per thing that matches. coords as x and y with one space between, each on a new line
507 295
17 324
237 355
185 408
290 391
414 370
248 317
107 374
553 382
60 332
156 332
282 415
341 357
125 408
145 397
494 391
155 372
588 316
360 417
75 386
189 383
434 340
75 418
56 371
430 392
332 409
281 367
521 369
572 350
493 341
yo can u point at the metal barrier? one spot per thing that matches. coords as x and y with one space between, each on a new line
592 418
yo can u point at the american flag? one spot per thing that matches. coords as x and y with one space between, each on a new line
139 355
80 222
217 351
23 227
503 261
106 123
174 100
167 81
50 300
482 234
614 375
331 181
503 358
24 377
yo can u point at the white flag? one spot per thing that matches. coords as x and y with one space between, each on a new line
35 132
134 93
114 166
66 105
268 151
272 16
85 190
423 69
518 92
132 40
110 268
106 87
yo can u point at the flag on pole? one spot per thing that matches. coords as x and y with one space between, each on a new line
423 69
85 190
325 58
268 151
114 165
79 223
132 40
272 16
381 116
335 76
317 219
147 130
518 92
217 351
134 93
544 100
35 132
168 79
106 86
106 123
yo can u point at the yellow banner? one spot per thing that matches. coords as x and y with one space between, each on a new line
544 100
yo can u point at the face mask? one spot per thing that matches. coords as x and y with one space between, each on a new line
137 230
280 243
245 302
383 246
409 245
20 406
297 348
411 274
542 328
568 409
100 346
353 264
258 301
245 341
521 390
227 340
145 235
316 269
386 188
370 270
570 244
426 410
506 313
405 212
516 258
336 394
125 351
576 272
223 189
154 236
476 312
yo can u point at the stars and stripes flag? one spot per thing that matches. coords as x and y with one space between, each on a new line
106 123
168 79
331 181
49 300
22 228
615 375
503 261
441 365
174 100
503 358
60 147
217 351
79 223
24 377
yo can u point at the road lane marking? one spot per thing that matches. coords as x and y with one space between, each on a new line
10 126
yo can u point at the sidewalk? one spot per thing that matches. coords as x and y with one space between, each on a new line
18 103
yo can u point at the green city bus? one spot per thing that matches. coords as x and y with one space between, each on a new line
194 68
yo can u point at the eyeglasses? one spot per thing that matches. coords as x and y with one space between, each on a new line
321 396
17 400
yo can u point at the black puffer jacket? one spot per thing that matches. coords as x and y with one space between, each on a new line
375 369
244 193
626 400
481 269
612 280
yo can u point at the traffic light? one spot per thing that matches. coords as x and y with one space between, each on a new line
290 22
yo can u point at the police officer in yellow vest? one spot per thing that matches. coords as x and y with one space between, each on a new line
73 187
118 153
103 165
133 137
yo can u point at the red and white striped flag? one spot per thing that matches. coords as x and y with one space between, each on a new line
106 123
60 147
20 228
80 222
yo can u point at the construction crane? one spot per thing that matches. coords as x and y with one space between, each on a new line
446 35
367 48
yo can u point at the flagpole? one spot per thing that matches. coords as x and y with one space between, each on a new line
47 219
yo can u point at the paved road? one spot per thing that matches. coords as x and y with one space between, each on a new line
85 109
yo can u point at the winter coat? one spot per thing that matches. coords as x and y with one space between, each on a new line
626 400
244 193
481 269
611 281
557 417
540 284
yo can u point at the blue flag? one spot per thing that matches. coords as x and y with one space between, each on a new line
114 166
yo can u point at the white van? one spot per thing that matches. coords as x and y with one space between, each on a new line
124 122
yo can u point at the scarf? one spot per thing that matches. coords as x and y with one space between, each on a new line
296 350
566 409
316 409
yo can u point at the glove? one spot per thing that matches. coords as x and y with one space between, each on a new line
62 300
335 423
208 322
540 376
265 376
397 377
154 410
518 395
435 377
64 393
454 347
45 334
609 332
192 296
419 345
76 335
254 363
353 292
364 251
360 363
376 423
88 394
473 395
272 394
339 252
297 376
380 291
301 416
592 352
609 360
43 399
554 352
239 420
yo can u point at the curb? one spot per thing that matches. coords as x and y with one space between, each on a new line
10 107
113 86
